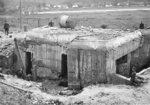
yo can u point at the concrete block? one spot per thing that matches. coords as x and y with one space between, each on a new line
74 86
117 79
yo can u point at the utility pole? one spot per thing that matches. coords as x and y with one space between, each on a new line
20 15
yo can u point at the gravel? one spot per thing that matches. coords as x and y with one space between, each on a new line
11 96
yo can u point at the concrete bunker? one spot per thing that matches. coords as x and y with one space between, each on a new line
137 58
45 57
107 61
87 57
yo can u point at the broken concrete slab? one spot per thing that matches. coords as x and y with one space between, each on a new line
117 79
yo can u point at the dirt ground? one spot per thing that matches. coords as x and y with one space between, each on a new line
100 94
11 96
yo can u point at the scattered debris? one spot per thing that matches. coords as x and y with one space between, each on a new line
70 92
97 94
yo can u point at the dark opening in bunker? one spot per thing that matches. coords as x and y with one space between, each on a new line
122 66
28 63
64 70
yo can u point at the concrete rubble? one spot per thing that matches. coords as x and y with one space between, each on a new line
66 36
6 52
94 94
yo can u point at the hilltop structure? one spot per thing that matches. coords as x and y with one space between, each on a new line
83 55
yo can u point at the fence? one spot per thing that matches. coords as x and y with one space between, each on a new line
30 22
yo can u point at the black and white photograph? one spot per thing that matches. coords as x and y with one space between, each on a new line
74 52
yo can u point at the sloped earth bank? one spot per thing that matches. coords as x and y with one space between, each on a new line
100 94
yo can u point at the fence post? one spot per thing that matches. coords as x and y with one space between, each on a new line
38 22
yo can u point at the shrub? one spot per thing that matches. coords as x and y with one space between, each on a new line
104 26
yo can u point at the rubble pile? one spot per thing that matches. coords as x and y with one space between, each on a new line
54 32
6 47
65 36
92 94
2 35
6 52
47 86
15 81
29 92
12 96
6 44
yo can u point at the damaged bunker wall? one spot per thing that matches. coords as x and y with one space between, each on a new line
134 53
140 58
45 59
87 65
121 57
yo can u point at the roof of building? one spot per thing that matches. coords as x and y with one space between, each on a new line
87 36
